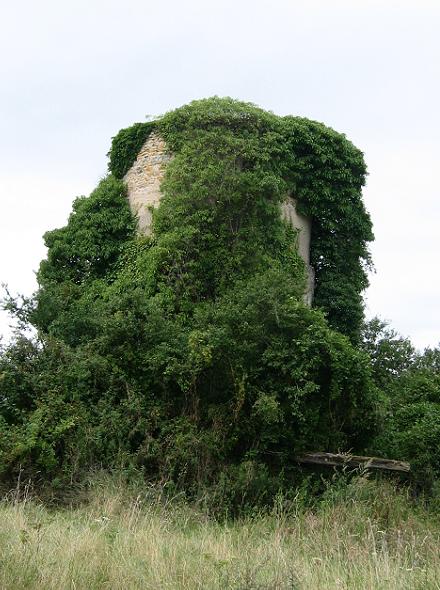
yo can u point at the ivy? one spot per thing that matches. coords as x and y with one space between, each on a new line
125 147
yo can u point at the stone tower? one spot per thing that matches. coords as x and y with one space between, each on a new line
143 182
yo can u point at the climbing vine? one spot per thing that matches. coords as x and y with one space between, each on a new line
126 146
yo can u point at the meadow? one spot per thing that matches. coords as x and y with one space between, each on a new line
363 535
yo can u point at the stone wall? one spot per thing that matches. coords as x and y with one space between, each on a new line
143 184
144 178
304 226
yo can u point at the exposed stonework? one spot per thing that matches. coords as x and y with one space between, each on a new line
143 184
144 178
304 226
301 223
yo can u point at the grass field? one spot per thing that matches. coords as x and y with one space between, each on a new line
366 536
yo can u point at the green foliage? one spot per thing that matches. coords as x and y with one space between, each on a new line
326 173
233 148
125 147
410 382
390 354
191 354
276 157
82 258
89 246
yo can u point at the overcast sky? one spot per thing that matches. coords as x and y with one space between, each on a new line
73 73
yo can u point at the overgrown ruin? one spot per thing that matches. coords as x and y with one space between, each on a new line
143 182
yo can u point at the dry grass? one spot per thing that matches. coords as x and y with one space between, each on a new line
369 537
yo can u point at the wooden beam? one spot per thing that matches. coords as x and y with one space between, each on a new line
345 459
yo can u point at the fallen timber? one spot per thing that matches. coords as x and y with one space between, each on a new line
356 461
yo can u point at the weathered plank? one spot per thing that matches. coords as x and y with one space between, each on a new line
345 459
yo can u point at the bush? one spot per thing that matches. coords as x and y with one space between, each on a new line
410 382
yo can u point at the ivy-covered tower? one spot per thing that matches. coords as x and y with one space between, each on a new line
143 181
177 339
314 173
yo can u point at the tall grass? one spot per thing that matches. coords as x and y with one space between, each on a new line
365 535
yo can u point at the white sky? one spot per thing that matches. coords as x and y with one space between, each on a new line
73 73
